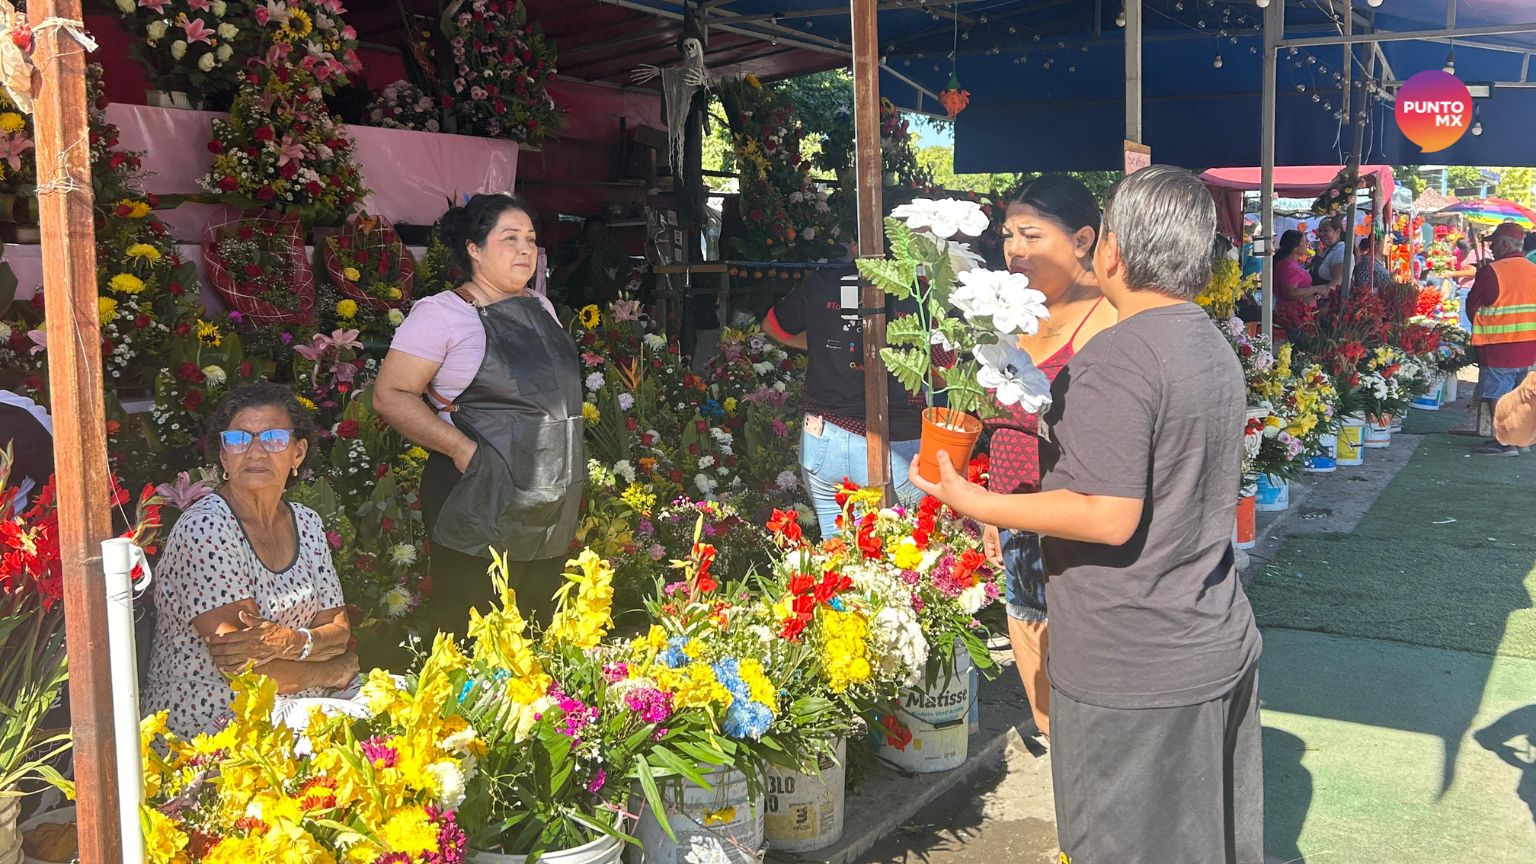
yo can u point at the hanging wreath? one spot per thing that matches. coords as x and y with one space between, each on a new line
1339 195
257 265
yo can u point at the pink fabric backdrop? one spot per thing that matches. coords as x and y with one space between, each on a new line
412 176
1227 186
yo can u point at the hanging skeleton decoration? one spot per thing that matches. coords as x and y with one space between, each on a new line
685 91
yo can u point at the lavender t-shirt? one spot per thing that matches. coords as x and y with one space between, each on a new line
446 330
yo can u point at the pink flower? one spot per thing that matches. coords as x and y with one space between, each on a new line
334 539
157 5
200 5
13 147
591 359
658 552
626 310
183 493
197 31
263 15
39 341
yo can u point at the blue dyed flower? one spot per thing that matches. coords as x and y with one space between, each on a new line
673 654
712 408
747 719
728 673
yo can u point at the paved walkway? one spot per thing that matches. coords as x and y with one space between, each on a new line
1398 679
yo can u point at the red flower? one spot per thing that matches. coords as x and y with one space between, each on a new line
190 372
265 193
245 369
215 147
141 321
869 544
965 570
253 270
704 556
193 399
832 584
844 489
264 133
347 429
896 732
976 472
786 524
228 183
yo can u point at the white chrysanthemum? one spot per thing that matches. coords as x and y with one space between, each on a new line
397 602
1007 369
215 375
595 381
945 217
705 484
655 341
763 367
973 598
459 741
396 317
404 554
624 470
706 461
447 784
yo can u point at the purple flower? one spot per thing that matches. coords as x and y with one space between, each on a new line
285 337
598 781
658 551
645 527
183 493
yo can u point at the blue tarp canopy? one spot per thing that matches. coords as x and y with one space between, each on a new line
1047 77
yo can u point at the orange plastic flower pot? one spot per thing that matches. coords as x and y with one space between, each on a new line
954 433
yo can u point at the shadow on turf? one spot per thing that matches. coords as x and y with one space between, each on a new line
1503 738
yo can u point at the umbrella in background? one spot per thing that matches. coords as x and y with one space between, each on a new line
1492 211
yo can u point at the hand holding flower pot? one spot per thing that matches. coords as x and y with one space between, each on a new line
995 308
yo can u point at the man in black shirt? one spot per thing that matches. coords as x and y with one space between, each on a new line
821 317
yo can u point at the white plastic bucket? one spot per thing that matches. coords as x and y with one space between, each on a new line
1378 434
1326 461
939 720
720 825
802 812
603 850
1395 422
1431 401
61 816
1352 441
1449 394
1273 495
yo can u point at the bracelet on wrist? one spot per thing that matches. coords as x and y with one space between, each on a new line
309 643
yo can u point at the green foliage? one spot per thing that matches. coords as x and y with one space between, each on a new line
1515 184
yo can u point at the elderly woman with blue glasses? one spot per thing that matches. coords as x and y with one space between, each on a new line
246 580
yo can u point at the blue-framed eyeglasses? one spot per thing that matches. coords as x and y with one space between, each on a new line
237 441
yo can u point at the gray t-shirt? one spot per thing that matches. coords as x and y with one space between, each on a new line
1152 408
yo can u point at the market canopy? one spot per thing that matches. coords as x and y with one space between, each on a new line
1227 186
1047 77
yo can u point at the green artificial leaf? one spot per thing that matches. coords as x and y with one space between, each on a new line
906 330
909 366
895 278
899 236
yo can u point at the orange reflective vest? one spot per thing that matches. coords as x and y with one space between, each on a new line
1512 317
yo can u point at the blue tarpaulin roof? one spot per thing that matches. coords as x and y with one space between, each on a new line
1047 77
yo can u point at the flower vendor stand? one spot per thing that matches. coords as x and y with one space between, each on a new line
803 811
1273 494
930 730
720 823
1351 443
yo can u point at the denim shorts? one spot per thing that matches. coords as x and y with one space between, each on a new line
1493 383
1024 585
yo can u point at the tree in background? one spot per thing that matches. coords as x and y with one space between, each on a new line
1515 184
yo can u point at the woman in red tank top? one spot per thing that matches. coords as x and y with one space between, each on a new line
1051 227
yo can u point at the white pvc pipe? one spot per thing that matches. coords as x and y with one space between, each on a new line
118 556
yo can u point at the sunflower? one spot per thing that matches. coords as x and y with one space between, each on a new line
296 27
208 334
590 316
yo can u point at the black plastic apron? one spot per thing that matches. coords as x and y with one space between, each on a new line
521 492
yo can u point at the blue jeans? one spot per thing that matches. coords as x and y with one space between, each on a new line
1494 383
1461 308
836 453
1024 585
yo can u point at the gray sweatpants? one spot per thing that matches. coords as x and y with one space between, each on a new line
1160 785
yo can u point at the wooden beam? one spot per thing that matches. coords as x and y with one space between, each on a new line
79 417
868 170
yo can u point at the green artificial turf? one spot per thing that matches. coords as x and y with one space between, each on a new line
1407 573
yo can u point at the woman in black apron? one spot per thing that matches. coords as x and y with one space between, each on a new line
486 379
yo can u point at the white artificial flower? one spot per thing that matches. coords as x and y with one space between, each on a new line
720 435
156 30
220 7
228 30
1001 296
961 258
178 49
404 554
595 381
705 483
206 62
127 6
706 460
5 332
397 602
396 317
973 598
1007 369
762 368
459 741
945 217
215 375
448 782
626 401
655 341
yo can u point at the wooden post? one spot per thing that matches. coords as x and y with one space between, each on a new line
1133 131
79 417
866 125
1359 109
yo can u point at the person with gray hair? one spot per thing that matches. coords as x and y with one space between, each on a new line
1327 266
1154 653
1501 305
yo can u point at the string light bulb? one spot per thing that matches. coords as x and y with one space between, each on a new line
1120 18
1450 63
1477 120
1216 62
1262 4
1373 3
